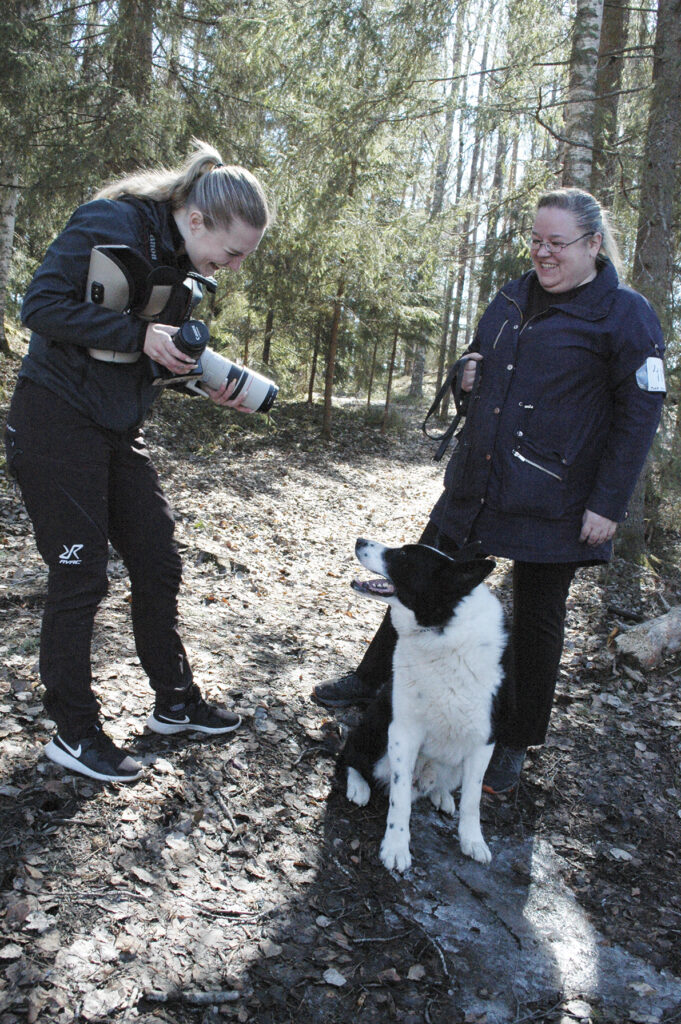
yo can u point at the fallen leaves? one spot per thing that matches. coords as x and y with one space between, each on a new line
233 874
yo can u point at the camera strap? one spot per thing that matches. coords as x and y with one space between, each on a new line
453 381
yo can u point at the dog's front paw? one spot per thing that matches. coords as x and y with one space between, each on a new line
358 789
443 800
395 854
476 847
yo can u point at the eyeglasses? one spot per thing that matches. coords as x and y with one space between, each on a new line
553 247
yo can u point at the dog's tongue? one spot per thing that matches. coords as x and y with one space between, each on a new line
379 586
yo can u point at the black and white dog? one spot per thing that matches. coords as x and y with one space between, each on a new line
430 729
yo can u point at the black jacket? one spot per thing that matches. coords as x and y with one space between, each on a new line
558 422
64 325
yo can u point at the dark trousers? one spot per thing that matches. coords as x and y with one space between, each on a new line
82 486
540 593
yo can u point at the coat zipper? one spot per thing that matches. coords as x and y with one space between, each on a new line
536 465
499 334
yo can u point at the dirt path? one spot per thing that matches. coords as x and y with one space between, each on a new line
234 882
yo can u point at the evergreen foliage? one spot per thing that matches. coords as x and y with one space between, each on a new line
403 144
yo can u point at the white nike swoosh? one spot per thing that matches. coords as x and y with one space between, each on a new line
175 721
76 753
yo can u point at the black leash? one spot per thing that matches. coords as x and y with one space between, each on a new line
453 380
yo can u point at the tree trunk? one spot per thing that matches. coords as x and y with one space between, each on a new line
653 270
267 340
417 372
472 191
372 372
9 197
331 359
335 324
391 370
454 327
247 340
490 254
88 63
442 354
579 108
315 357
445 148
654 255
608 84
132 59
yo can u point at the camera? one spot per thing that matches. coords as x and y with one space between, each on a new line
214 370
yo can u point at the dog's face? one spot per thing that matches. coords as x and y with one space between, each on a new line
427 582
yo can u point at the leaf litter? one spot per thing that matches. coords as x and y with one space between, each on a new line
234 882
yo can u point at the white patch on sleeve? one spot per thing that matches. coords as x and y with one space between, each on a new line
650 376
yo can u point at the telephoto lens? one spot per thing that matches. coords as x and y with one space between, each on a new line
257 392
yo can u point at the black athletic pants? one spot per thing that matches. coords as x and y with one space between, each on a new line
82 486
540 593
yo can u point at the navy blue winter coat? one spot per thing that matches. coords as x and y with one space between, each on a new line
557 423
64 326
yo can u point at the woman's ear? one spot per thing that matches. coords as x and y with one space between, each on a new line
195 220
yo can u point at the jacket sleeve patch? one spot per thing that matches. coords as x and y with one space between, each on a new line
650 376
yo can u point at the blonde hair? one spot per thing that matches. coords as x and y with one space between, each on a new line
590 217
221 193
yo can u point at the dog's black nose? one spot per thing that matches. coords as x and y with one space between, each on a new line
361 543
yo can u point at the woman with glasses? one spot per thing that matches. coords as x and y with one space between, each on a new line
566 384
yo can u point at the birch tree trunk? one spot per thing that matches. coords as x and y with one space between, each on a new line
580 105
456 99
464 252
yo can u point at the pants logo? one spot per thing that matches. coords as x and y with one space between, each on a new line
71 555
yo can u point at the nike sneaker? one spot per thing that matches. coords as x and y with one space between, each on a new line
192 714
94 755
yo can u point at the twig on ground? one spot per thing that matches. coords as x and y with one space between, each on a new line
437 948
384 938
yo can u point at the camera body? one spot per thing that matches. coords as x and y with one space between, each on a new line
213 370
122 279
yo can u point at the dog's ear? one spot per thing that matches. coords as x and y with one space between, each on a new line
468 552
470 574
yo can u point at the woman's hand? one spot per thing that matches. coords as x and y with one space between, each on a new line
223 396
158 345
596 529
468 376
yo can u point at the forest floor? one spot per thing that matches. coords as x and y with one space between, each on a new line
234 882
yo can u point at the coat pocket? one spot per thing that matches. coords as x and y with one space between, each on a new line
535 483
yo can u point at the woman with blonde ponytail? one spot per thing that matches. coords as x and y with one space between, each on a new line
75 446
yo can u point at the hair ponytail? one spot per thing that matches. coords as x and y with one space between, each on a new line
221 193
